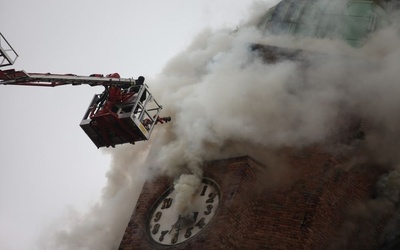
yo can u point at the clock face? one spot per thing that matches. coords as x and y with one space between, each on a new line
167 227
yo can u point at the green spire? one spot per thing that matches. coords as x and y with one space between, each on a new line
350 20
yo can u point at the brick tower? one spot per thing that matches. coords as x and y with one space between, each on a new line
241 206
308 212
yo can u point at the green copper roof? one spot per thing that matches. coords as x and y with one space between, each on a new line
350 20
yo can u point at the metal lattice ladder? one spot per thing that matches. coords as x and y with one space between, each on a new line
7 54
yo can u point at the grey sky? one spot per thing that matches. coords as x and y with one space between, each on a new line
47 163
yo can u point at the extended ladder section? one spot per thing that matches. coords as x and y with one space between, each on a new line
13 77
7 54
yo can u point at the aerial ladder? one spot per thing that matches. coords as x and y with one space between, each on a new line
125 112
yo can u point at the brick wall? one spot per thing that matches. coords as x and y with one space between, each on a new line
306 213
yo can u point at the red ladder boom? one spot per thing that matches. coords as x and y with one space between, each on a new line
13 77
126 112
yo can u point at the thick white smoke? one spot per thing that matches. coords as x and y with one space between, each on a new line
220 93
102 227
225 100
185 187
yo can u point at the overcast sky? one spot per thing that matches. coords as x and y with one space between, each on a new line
47 163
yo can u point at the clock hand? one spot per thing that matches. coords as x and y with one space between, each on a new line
177 225
184 221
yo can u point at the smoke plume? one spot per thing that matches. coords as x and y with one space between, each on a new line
224 99
185 187
103 225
